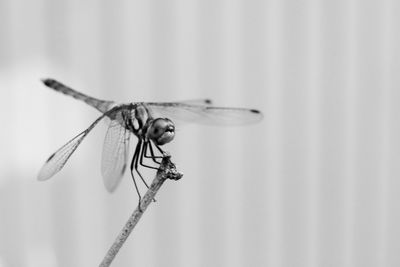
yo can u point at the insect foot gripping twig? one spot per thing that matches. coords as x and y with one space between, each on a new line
167 170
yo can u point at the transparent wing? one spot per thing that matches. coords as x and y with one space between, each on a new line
204 114
201 101
58 159
115 154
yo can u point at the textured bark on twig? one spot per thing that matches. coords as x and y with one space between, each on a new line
166 171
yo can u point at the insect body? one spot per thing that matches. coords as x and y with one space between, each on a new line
151 122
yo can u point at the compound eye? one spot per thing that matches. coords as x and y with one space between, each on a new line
161 131
157 128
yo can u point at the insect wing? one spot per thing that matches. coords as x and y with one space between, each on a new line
115 154
58 159
204 114
198 102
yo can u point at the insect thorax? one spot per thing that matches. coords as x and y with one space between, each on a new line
136 120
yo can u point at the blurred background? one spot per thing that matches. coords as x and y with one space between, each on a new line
314 184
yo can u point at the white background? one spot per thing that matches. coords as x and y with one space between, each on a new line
316 183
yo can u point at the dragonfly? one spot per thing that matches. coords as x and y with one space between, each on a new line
153 123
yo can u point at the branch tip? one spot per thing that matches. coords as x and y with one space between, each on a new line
167 170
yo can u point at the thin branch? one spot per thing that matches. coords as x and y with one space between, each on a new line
166 171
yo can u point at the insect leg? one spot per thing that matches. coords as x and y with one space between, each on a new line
135 155
143 154
138 148
137 161
152 155
159 149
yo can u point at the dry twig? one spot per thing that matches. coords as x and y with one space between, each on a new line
166 171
